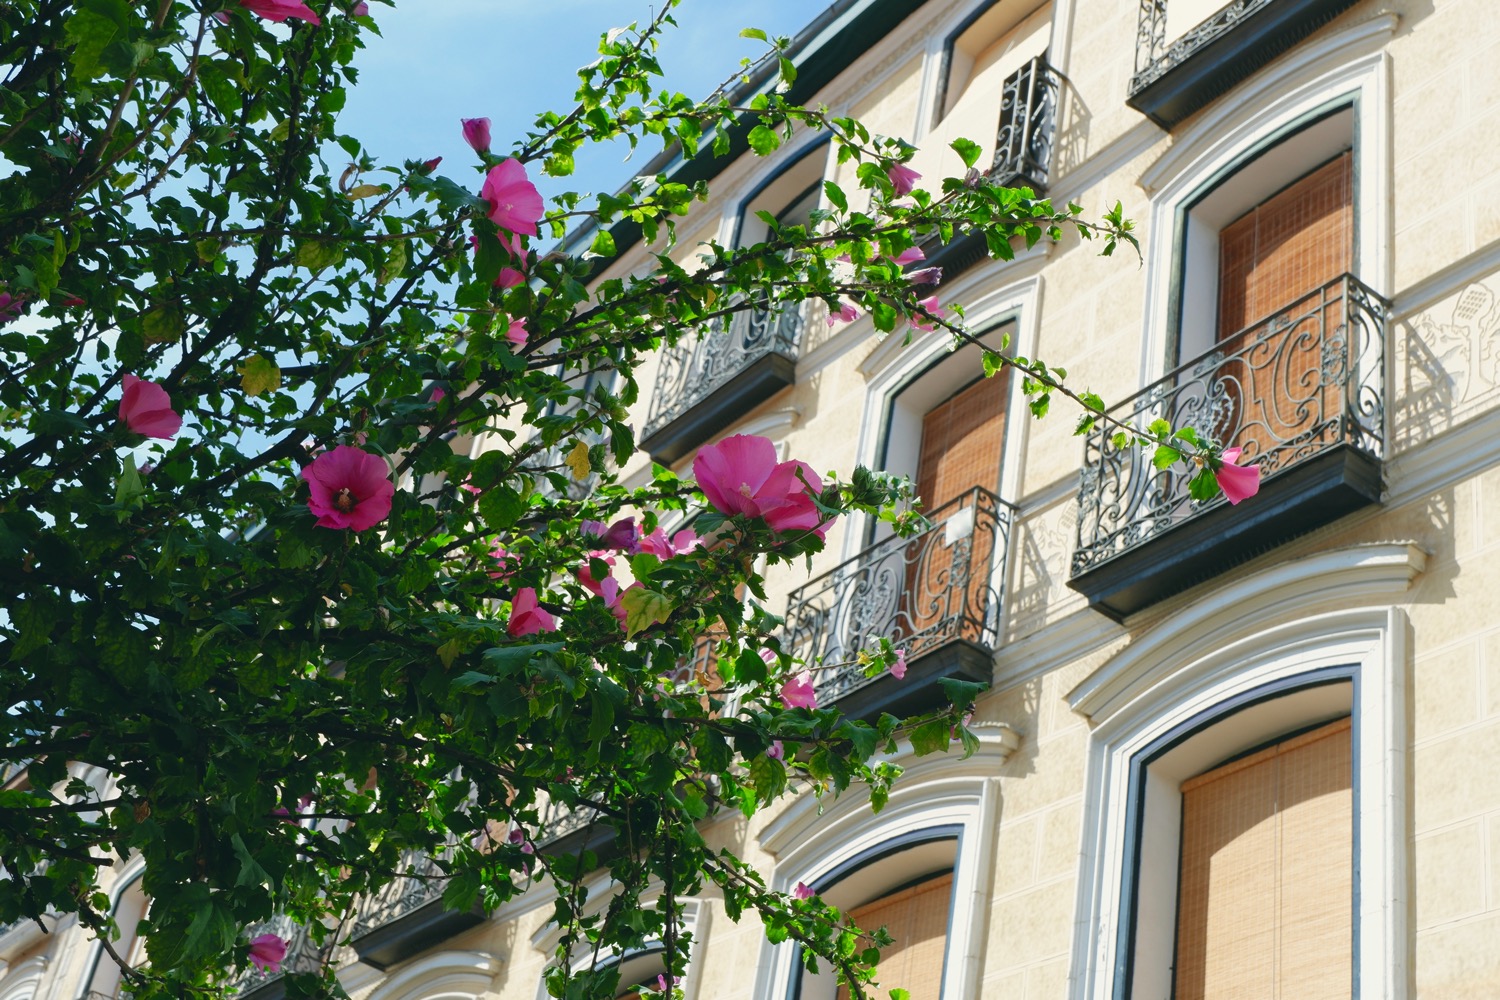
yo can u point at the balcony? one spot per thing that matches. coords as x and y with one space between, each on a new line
407 916
303 955
1177 72
935 594
1024 142
1302 392
707 383
1028 121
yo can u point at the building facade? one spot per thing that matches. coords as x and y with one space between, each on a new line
1239 751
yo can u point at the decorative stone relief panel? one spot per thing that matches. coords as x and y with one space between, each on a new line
1447 364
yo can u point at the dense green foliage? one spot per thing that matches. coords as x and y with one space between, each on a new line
175 628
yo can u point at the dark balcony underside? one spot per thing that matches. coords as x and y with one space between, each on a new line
919 690
754 384
412 933
1221 52
1306 496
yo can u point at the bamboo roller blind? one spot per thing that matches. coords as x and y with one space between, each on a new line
961 441
1266 884
917 919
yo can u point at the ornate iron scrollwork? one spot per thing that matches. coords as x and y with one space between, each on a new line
1028 121
941 585
1306 379
697 366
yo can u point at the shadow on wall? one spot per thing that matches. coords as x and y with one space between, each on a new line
1072 142
1447 365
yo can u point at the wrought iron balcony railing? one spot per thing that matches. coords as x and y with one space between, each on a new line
707 381
1301 392
1028 123
1175 76
936 595
303 954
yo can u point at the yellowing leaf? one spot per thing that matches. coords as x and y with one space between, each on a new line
258 375
365 191
448 651
577 460
643 608
162 325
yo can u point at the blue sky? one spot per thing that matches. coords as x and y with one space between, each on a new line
442 60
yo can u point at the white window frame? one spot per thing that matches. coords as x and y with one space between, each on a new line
1285 625
813 840
1348 67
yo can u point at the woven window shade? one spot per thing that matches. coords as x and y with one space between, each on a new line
1266 883
1272 261
917 920
961 442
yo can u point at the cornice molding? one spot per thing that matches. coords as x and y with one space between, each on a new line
1355 577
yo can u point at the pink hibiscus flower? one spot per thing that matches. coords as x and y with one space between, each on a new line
526 617
280 10
1237 481
902 177
351 488
740 475
147 409
799 691
845 313
515 203
477 133
267 952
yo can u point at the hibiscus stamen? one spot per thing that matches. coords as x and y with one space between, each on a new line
344 501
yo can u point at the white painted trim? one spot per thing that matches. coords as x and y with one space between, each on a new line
1326 69
23 981
599 890
946 792
444 975
1360 574
1229 647
893 364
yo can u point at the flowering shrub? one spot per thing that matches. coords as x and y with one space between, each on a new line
317 595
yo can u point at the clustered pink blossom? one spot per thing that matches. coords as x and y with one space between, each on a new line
609 589
504 562
350 488
586 575
147 409
898 669
740 475
1237 481
803 891
776 751
526 616
925 276
799 691
909 256
267 952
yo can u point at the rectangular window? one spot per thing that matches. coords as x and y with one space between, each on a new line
1265 890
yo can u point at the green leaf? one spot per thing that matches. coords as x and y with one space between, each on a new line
1204 486
788 71
1165 457
967 149
394 262
163 325
258 375
644 608
1159 428
128 488
930 737
603 245
960 694
98 32
318 254
763 140
836 195
755 33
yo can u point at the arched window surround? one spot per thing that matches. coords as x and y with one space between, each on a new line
1286 628
940 797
